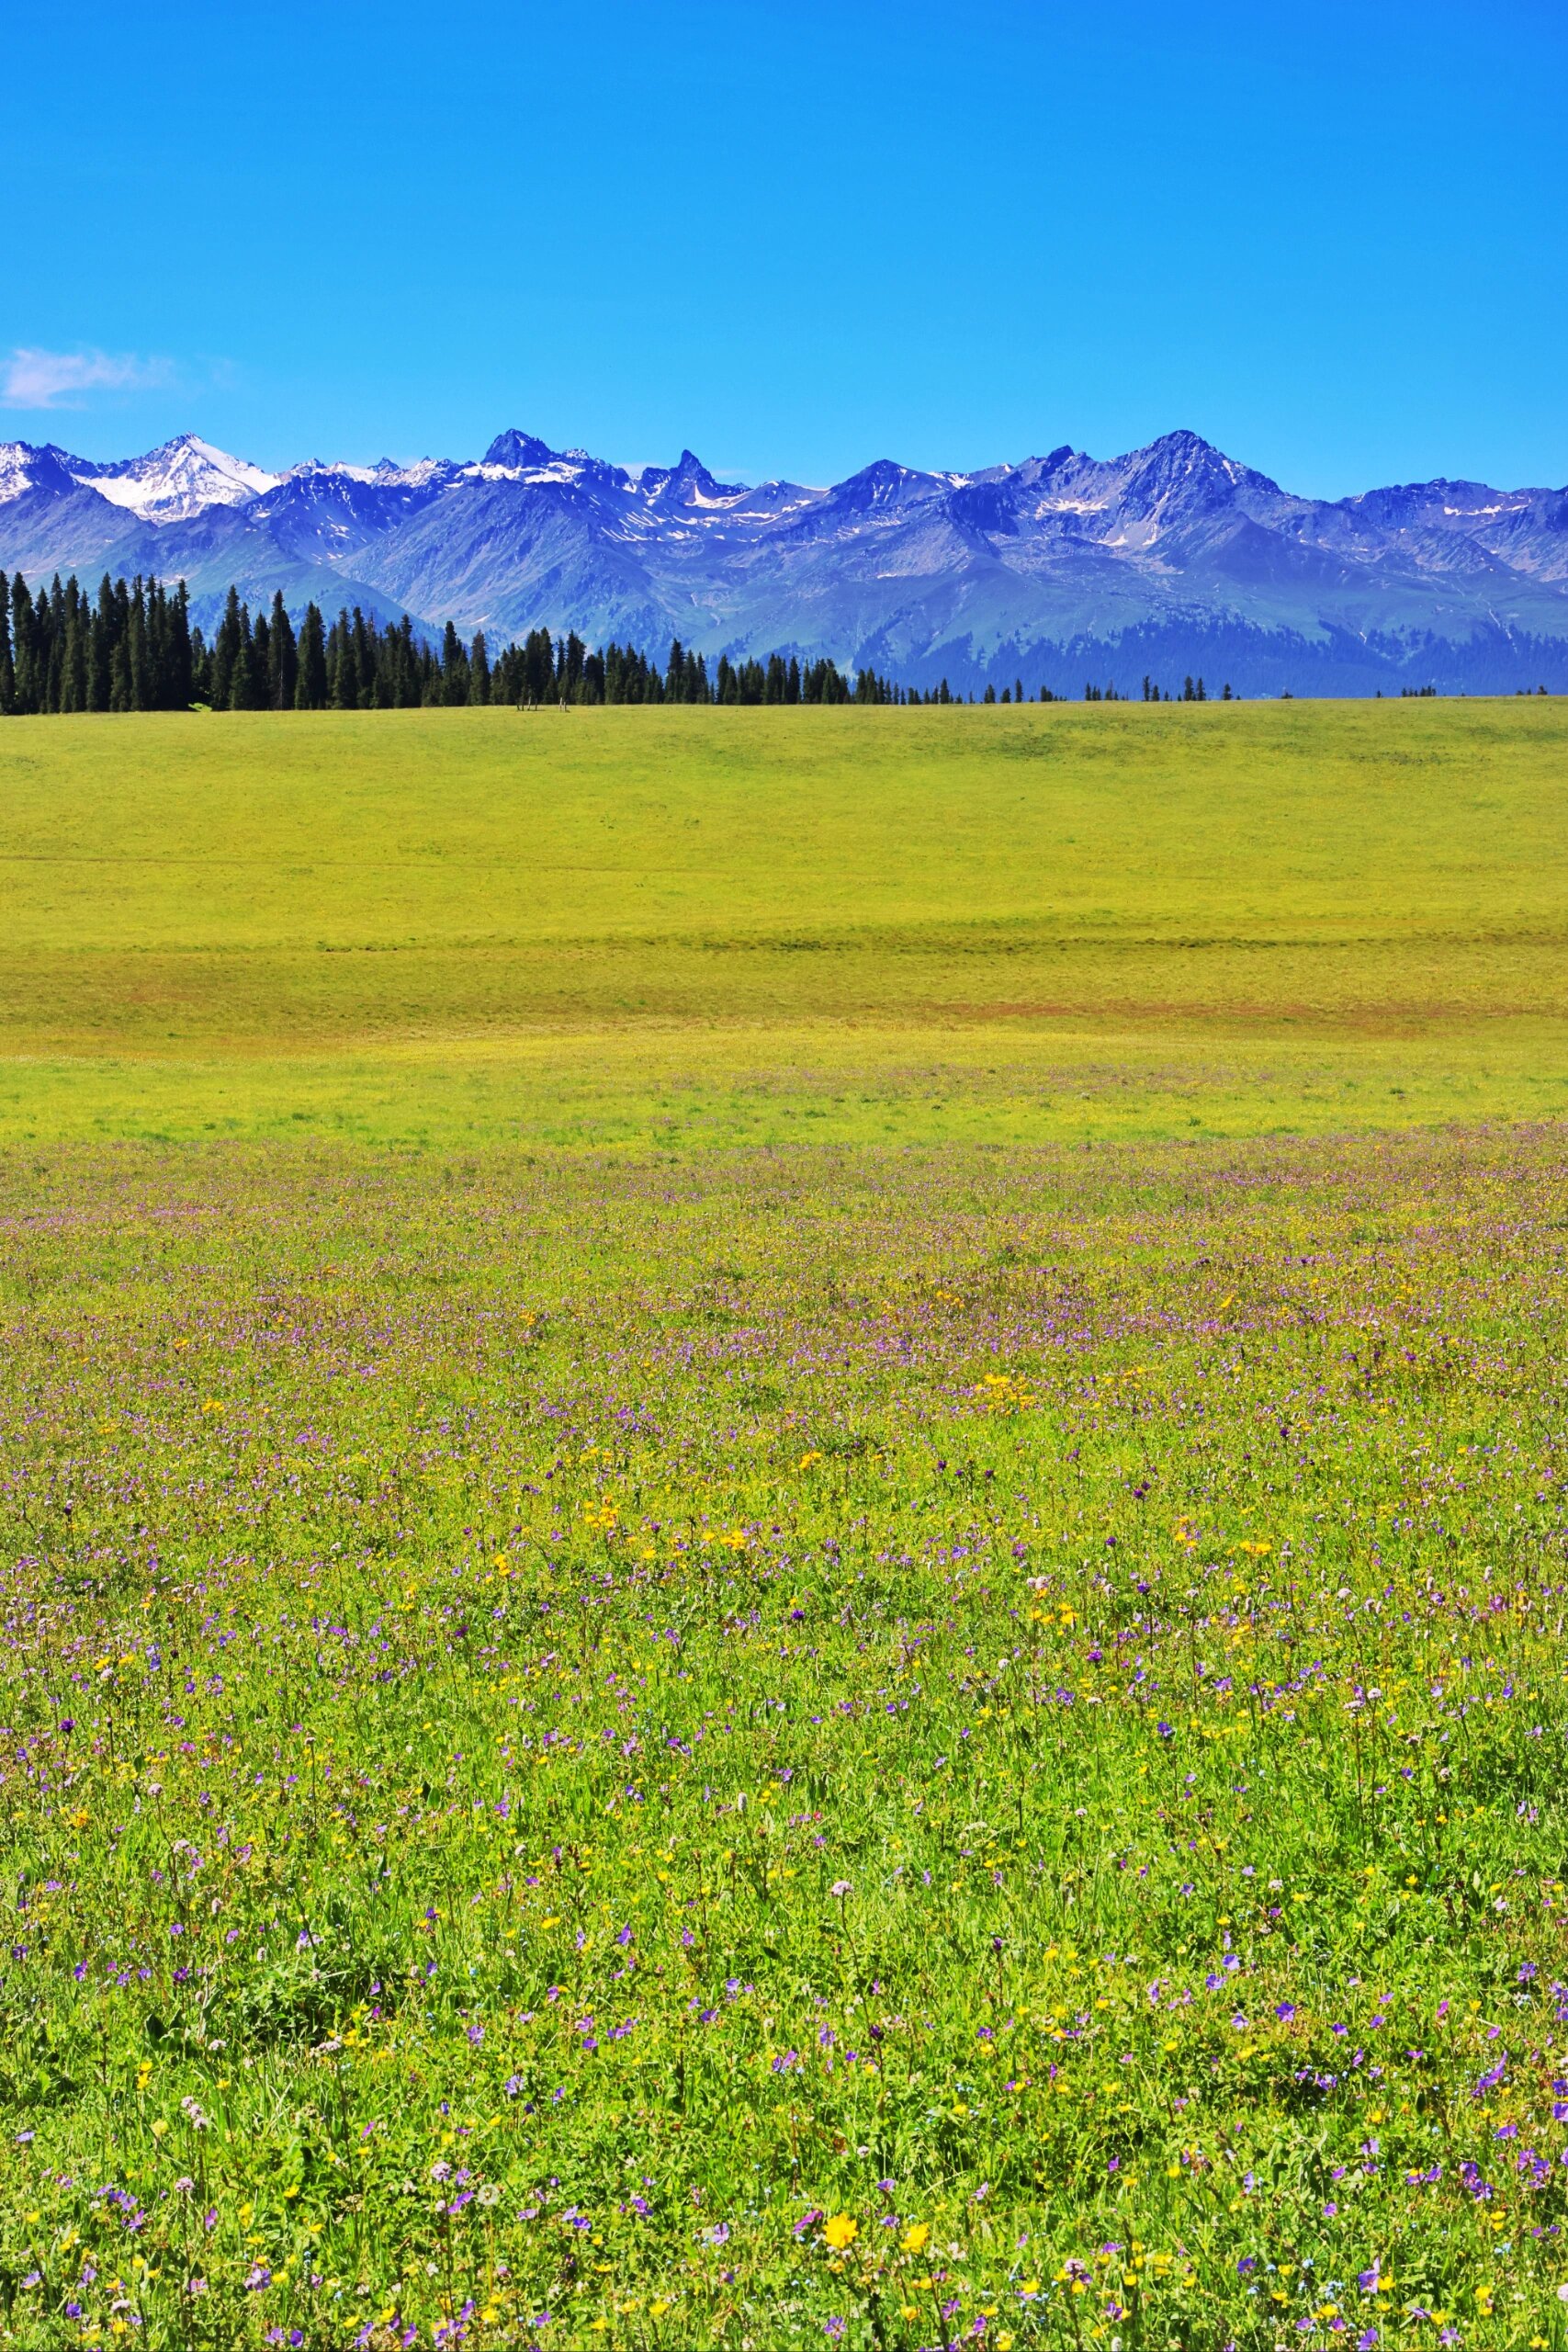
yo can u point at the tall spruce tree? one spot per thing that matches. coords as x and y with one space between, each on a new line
244 686
180 664
282 657
310 683
454 667
343 663
105 629
225 653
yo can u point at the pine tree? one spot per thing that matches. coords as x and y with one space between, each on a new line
225 653
24 684
310 686
179 664
244 686
52 651
454 667
74 649
363 637
282 657
137 651
100 650
343 665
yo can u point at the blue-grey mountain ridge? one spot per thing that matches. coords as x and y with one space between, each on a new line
1058 570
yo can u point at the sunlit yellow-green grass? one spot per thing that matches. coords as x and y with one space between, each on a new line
640 925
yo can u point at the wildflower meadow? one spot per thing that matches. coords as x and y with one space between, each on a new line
873 1748
762 1594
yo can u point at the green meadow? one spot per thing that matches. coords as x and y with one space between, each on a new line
624 925
786 1528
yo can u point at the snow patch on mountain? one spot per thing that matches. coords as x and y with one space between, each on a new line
386 474
171 483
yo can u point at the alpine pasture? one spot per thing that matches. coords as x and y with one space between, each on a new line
785 1530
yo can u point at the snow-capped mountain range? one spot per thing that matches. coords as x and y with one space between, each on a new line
1059 569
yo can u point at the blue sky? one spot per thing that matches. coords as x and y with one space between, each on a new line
1333 238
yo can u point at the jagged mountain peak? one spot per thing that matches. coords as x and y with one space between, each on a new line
687 483
177 479
1181 442
688 467
886 486
521 452
1185 456
25 466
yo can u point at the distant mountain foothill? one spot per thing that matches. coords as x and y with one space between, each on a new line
1056 571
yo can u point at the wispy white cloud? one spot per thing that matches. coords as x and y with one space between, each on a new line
32 379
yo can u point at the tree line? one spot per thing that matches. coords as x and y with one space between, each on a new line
135 649
134 646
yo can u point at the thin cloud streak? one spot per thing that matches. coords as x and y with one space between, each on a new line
33 378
